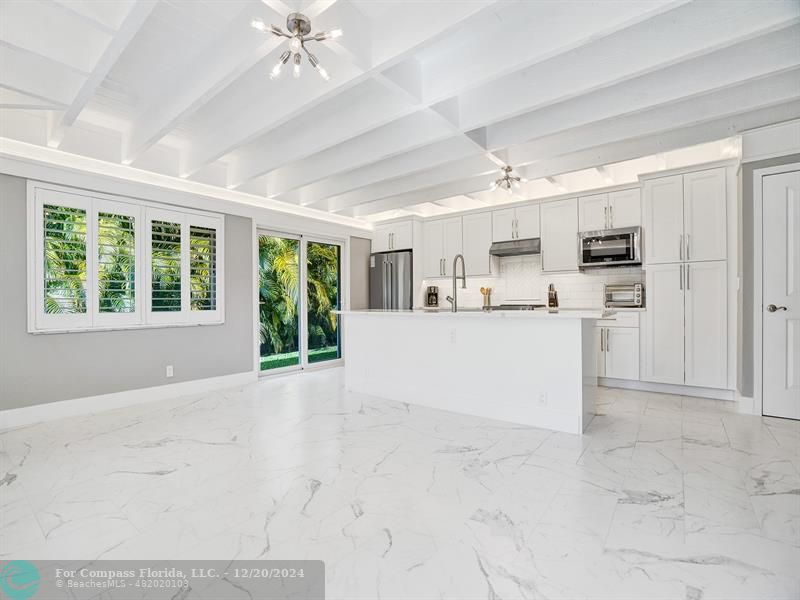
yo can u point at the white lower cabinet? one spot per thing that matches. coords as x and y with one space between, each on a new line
684 337
705 298
618 347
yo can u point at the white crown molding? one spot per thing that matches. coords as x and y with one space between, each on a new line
48 164
18 417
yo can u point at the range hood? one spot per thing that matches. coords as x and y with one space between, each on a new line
516 247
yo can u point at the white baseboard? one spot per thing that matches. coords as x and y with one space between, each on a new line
667 388
16 417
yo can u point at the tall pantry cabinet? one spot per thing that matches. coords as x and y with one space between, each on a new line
684 335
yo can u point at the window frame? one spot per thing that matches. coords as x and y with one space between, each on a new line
144 212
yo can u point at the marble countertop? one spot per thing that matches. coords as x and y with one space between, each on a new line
564 313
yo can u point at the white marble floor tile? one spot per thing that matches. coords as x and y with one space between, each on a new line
663 497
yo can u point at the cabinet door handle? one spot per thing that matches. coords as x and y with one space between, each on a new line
688 285
611 216
681 278
605 216
687 246
680 246
607 346
391 243
602 347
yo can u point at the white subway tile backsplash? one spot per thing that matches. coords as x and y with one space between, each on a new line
521 278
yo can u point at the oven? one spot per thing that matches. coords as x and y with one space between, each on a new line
623 295
610 247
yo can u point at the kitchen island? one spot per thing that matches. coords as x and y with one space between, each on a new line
529 367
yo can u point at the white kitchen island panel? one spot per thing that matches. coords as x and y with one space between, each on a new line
533 369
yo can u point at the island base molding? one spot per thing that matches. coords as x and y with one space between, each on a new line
667 388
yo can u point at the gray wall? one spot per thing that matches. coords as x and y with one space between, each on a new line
748 291
360 249
44 368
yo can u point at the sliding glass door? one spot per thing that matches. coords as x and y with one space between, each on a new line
299 290
279 301
324 281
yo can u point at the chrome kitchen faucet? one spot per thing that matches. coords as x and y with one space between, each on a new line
453 300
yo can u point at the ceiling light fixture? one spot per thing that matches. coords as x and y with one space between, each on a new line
299 28
507 182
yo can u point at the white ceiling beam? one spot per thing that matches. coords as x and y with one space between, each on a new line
598 156
138 14
253 122
36 76
462 185
716 116
237 50
689 31
352 113
746 97
753 59
393 139
524 33
475 165
432 155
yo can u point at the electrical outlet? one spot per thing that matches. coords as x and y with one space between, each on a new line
170 372
452 336
543 399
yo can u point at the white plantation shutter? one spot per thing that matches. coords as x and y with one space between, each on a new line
117 231
98 261
205 251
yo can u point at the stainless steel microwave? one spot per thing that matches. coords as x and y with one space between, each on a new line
610 247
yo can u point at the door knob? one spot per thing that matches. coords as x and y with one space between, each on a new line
773 308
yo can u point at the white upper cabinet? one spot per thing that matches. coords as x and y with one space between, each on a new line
704 219
593 212
452 243
441 243
503 225
706 324
515 223
560 235
432 252
663 220
393 236
477 238
685 217
625 208
527 221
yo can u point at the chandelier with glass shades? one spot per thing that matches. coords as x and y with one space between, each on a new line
507 182
298 27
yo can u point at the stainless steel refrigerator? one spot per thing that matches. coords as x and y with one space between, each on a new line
391 279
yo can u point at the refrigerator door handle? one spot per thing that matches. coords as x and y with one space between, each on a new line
391 285
383 277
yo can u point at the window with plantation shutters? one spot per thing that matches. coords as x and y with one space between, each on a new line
104 262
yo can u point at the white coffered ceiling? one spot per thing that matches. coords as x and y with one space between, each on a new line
427 98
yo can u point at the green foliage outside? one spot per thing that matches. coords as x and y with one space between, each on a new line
279 289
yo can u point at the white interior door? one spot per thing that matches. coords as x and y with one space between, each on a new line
781 299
